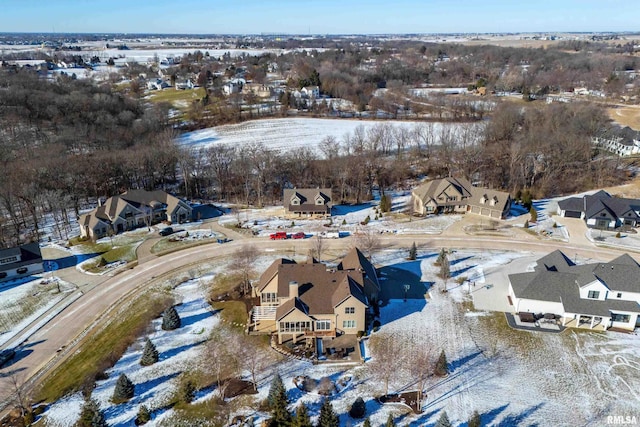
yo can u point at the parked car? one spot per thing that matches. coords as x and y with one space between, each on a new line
166 231
280 235
298 235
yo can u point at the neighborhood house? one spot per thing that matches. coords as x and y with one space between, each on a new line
309 301
595 296
133 209
307 201
601 210
20 261
457 195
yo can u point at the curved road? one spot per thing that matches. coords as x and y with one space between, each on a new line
59 336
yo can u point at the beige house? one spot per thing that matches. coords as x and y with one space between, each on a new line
307 301
457 195
307 201
132 209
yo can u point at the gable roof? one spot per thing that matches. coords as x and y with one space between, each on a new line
557 279
355 260
307 198
475 196
601 201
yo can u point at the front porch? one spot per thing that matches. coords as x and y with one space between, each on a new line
595 323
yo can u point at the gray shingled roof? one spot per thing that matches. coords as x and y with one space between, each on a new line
557 279
575 204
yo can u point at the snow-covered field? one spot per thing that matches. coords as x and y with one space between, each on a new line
290 133
511 377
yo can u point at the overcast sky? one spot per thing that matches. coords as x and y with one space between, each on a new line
318 16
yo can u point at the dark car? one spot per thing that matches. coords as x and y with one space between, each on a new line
166 231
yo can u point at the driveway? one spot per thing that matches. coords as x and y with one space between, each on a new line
492 294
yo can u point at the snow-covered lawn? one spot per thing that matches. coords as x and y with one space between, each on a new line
23 302
154 385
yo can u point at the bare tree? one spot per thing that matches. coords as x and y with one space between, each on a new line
317 247
420 362
385 351
246 257
367 241
19 396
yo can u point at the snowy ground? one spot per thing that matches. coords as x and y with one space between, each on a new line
290 133
154 385
23 302
571 378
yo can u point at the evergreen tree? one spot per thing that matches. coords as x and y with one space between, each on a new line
149 354
187 391
442 367
441 257
358 408
475 420
390 422
91 415
367 423
278 401
302 418
385 203
124 389
534 214
328 418
144 416
443 421
170 319
445 269
413 252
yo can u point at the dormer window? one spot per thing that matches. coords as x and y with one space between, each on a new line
319 200
494 201
593 294
295 200
483 199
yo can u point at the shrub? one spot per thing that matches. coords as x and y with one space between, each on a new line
170 319
293 224
366 220
526 224
360 334
123 391
555 225
443 421
149 354
534 214
376 325
618 234
144 416
358 408
344 222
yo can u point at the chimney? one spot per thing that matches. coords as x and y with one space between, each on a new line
293 289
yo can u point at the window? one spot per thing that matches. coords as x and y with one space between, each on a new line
349 310
22 270
593 294
294 326
348 324
295 202
269 297
128 215
624 318
8 260
323 325
619 295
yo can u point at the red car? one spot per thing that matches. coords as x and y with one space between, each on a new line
280 235
299 235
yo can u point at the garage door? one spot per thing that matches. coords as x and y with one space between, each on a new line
572 214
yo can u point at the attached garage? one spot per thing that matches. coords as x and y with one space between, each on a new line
571 214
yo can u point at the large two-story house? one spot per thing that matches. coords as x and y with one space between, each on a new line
132 209
307 201
21 261
594 296
457 195
306 301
